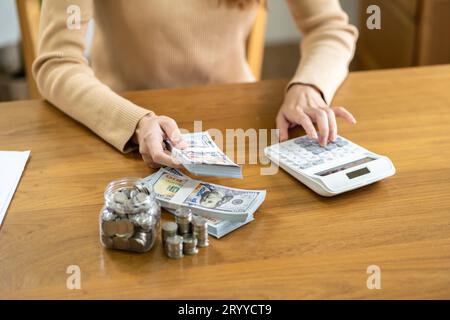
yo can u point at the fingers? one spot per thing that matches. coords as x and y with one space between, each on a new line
343 113
282 125
162 158
332 135
165 159
156 153
304 105
149 162
307 125
321 118
172 131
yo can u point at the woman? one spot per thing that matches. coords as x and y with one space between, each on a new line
144 44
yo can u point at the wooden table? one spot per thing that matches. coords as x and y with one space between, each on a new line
300 246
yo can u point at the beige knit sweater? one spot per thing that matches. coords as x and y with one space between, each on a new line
145 44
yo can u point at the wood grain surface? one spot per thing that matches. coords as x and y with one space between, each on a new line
301 245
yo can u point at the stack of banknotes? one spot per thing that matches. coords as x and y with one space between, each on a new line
203 157
174 189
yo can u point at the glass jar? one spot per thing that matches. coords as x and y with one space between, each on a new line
130 217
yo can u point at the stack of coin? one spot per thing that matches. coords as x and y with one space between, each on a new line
183 217
189 245
169 229
200 228
174 247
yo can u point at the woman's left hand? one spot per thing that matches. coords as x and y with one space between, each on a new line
303 105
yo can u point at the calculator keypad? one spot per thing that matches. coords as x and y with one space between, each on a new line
303 153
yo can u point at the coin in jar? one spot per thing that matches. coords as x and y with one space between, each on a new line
124 228
109 228
121 243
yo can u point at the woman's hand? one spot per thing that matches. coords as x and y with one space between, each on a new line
303 105
151 132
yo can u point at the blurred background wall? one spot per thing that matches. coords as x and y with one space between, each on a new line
282 38
414 32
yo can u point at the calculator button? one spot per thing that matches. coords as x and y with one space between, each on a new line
341 143
317 162
318 151
304 153
330 146
305 166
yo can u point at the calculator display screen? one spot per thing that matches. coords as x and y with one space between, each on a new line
347 166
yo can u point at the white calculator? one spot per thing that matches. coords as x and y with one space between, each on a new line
338 167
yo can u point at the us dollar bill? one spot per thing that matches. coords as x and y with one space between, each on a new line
203 157
174 189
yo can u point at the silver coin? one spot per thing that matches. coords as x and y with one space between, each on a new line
184 228
203 243
109 228
108 215
141 242
120 197
183 215
141 197
175 256
174 247
133 194
141 187
120 209
135 219
174 241
170 228
124 228
146 223
121 243
199 222
173 244
129 207
190 245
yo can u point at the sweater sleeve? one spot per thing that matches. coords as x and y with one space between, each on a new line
327 46
65 79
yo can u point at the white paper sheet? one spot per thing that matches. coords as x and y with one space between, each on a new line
12 164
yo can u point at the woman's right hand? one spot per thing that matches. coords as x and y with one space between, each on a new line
151 132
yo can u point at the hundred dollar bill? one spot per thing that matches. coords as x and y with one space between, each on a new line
174 189
203 157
